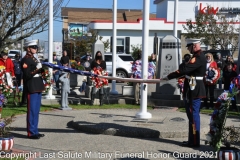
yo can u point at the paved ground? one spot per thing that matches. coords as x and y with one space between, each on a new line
92 134
62 141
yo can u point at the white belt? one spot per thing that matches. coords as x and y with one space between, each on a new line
36 75
197 78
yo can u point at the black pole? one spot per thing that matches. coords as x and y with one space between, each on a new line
63 39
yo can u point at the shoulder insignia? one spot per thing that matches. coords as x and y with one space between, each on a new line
25 65
193 60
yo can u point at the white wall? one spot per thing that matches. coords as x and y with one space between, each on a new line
135 37
161 10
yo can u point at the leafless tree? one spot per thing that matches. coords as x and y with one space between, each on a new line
20 19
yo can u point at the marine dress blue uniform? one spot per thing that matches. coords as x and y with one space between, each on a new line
34 87
194 71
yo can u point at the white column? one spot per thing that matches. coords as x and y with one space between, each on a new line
50 44
175 18
113 91
143 114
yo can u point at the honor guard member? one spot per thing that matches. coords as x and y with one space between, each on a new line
32 78
194 89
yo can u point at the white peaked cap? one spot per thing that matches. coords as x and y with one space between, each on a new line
192 41
31 43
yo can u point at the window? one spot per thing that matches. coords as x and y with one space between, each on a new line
120 45
126 58
108 58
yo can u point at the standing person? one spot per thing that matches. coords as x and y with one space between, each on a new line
194 89
210 80
230 59
220 63
98 62
56 73
87 65
9 67
17 69
34 86
153 58
228 76
136 70
64 59
181 80
152 64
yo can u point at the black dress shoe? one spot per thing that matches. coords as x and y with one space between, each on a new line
187 144
41 135
34 137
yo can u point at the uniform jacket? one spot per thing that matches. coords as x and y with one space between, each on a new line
196 67
9 66
65 82
28 65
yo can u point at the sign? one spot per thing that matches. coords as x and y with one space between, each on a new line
212 10
230 10
77 30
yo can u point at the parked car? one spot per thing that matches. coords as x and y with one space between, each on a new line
224 53
12 53
123 64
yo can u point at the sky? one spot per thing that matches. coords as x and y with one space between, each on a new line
121 4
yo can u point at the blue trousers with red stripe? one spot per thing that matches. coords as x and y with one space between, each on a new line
33 109
193 115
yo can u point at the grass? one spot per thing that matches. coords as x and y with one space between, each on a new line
11 109
18 110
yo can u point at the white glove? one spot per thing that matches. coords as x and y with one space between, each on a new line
165 78
39 65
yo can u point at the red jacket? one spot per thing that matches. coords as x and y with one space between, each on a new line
9 65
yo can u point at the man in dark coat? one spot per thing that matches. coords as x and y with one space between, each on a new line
194 89
65 59
34 86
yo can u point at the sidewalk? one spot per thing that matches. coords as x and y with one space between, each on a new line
122 135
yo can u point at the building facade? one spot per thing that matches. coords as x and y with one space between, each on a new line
129 32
